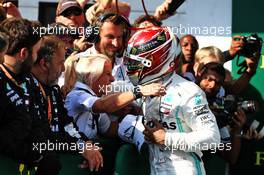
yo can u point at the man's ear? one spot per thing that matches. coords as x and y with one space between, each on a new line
23 54
43 65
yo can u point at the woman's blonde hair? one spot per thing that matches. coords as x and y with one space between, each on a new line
77 67
210 51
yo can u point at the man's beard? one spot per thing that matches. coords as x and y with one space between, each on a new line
110 54
113 54
27 64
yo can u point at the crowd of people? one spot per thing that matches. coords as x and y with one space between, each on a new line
95 92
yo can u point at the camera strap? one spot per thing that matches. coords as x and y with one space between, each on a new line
242 66
95 116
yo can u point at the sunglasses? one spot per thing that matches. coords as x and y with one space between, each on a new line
72 12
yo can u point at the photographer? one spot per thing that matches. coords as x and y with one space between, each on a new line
250 48
230 124
70 13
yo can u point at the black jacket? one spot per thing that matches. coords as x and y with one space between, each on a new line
22 120
60 119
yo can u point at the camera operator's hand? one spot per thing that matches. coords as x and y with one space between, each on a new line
82 3
239 120
252 134
93 12
252 64
11 10
236 45
81 44
161 12
155 135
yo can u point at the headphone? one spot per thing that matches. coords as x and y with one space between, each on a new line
94 35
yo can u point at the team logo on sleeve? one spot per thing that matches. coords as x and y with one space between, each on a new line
197 99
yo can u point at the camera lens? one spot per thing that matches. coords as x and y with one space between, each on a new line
249 106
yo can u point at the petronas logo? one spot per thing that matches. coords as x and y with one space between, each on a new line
8 87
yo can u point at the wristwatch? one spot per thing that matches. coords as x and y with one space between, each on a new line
137 92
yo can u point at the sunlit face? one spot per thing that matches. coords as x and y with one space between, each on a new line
189 47
210 83
105 79
111 39
56 65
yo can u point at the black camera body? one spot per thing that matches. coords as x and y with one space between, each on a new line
253 45
225 108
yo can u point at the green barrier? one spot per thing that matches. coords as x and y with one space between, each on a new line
130 162
70 165
69 162
8 166
215 166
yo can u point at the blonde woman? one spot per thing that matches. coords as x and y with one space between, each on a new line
213 54
206 55
203 56
87 78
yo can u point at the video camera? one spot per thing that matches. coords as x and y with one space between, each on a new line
225 108
253 45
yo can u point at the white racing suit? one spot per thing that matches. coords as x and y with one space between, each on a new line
189 124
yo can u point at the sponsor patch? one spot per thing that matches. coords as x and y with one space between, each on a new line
166 104
202 109
164 110
207 122
166 125
205 117
8 87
